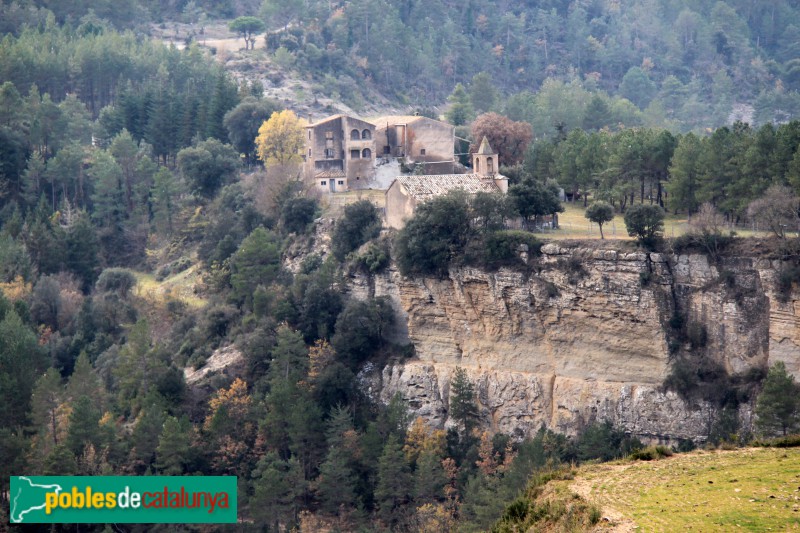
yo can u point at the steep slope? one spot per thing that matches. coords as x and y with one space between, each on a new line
588 335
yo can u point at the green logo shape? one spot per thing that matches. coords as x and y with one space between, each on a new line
123 500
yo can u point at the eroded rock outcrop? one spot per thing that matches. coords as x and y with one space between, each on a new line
586 335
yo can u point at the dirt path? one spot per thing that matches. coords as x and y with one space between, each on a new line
613 519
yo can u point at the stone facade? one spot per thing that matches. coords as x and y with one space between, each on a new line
418 140
407 192
339 154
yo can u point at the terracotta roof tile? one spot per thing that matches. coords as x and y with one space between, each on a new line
331 173
425 187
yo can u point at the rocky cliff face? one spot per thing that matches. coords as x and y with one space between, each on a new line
587 336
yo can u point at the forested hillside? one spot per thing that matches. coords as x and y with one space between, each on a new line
683 65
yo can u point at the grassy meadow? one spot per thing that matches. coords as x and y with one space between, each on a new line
754 489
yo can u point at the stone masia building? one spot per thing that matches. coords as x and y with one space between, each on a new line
418 140
341 151
339 154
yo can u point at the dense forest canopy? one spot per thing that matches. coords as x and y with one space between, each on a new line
684 65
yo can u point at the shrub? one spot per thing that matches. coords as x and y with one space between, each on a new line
574 269
551 289
436 235
360 329
360 223
310 263
117 280
684 243
791 441
297 214
697 334
374 259
517 511
676 321
789 275
645 222
595 515
502 248
651 453
728 278
176 267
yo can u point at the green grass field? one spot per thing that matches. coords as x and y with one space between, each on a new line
754 489
572 222
574 225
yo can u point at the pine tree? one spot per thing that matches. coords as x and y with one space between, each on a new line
84 381
306 431
21 360
60 462
125 152
84 428
146 433
336 483
597 114
460 111
108 200
164 196
138 366
225 98
393 492
174 449
289 357
257 262
778 407
482 93
462 401
429 479
33 179
48 395
277 488
82 248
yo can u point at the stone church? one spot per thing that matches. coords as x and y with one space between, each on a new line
407 192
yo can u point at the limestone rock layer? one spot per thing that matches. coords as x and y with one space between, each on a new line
585 336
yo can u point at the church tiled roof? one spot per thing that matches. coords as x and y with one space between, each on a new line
425 187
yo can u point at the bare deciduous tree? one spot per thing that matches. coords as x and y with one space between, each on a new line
778 209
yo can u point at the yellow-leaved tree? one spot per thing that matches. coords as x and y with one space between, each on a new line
280 139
